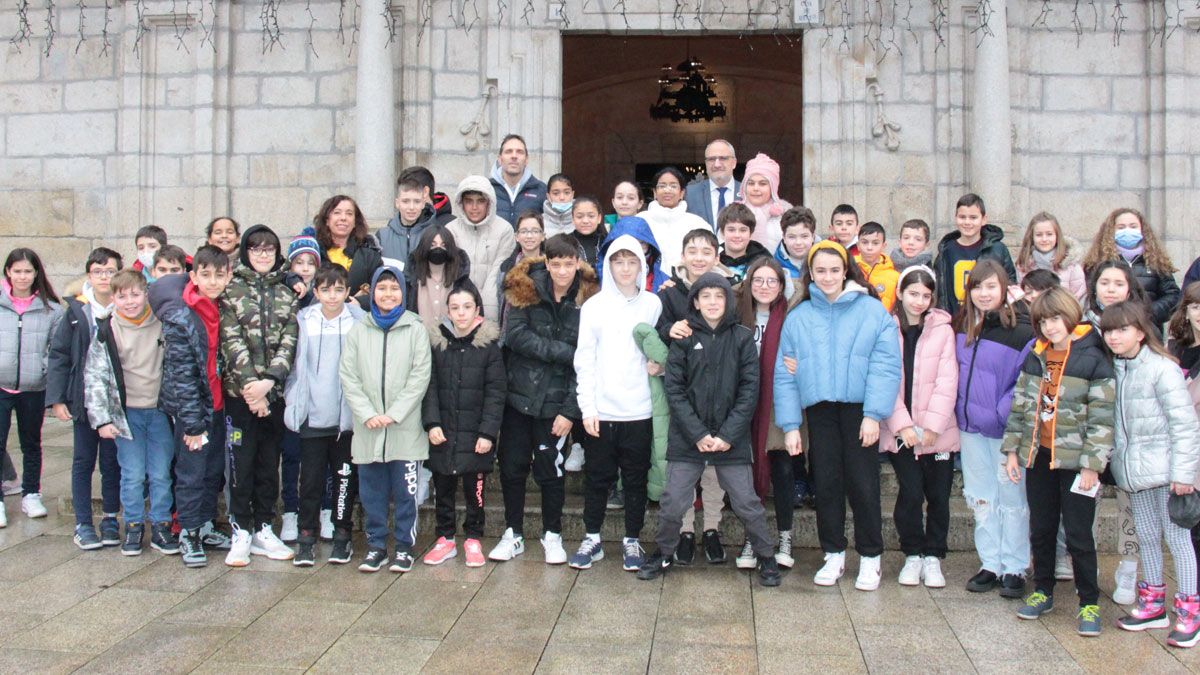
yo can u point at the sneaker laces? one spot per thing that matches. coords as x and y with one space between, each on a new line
632 548
1037 597
785 540
747 550
1087 612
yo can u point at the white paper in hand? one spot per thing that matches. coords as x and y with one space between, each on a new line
1086 493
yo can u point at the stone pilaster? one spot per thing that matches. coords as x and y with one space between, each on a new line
375 105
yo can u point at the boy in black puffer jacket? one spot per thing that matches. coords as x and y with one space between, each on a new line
462 413
712 385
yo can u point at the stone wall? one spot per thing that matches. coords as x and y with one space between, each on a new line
94 145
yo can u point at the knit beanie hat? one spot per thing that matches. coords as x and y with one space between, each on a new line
305 242
768 168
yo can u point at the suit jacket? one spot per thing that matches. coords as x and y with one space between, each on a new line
699 199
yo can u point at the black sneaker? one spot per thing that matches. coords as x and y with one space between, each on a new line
374 560
86 538
213 538
110 531
306 555
133 540
713 550
982 582
403 562
191 545
162 540
616 499
686 551
342 550
1012 586
768 571
654 566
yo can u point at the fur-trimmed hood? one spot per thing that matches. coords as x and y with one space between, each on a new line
482 335
528 283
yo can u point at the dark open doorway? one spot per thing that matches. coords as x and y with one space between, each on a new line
610 82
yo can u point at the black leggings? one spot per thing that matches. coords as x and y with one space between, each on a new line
783 483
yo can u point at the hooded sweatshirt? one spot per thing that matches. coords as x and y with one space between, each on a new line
315 405
140 348
640 230
487 243
529 194
670 226
610 369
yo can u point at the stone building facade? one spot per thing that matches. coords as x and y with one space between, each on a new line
213 116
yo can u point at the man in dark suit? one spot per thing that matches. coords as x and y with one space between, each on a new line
706 198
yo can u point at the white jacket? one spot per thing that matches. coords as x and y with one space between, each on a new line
669 227
1157 437
487 243
610 369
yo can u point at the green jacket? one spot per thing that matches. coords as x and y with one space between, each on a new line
1083 421
656 350
387 373
258 330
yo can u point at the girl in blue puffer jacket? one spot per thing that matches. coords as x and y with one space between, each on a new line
846 379
991 340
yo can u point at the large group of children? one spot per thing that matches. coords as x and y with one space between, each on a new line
690 363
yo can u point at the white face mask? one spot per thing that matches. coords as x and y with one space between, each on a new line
147 259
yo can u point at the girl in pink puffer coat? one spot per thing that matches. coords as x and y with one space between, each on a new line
922 431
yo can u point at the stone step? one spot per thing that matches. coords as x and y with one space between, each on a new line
961 535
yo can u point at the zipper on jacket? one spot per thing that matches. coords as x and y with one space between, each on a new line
20 323
967 391
262 317
383 388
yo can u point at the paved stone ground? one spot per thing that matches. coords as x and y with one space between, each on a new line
65 609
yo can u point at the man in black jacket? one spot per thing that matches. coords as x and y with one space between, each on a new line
712 386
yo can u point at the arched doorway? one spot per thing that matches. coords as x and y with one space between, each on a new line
610 82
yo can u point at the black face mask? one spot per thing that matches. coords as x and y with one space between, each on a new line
438 256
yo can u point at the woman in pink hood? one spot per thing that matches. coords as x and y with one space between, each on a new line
760 191
922 431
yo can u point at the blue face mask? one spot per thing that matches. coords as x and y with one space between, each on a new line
1128 238
562 208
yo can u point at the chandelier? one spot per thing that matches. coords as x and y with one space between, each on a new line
686 93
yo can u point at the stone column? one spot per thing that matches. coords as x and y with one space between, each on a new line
375 132
991 125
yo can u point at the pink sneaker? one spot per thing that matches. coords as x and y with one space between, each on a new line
443 550
474 553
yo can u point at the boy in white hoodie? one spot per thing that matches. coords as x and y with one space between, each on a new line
614 398
487 238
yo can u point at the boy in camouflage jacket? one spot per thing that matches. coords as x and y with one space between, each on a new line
1059 434
258 343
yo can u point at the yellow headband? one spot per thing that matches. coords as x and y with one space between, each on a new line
831 245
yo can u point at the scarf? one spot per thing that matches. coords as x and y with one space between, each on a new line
388 319
902 261
1043 261
1129 254
760 424
99 311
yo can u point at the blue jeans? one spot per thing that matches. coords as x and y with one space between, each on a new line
1000 506
89 446
381 483
30 407
146 458
289 489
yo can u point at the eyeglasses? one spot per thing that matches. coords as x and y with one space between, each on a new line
263 250
103 273
719 158
667 186
528 231
765 282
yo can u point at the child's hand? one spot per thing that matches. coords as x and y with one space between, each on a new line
1012 468
790 364
379 422
929 439
482 446
680 330
720 445
300 288
1180 488
706 444
654 369
909 436
193 443
61 412
592 426
437 436
793 443
256 390
562 426
107 431
1088 479
868 432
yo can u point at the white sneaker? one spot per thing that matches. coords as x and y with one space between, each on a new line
868 573
1063 570
933 572
3 515
32 506
832 570
910 574
290 531
552 548
266 543
746 560
575 459
510 546
11 487
239 549
1126 578
783 550
327 524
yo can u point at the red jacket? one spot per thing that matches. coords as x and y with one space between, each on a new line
935 386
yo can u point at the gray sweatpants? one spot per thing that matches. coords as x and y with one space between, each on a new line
736 480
